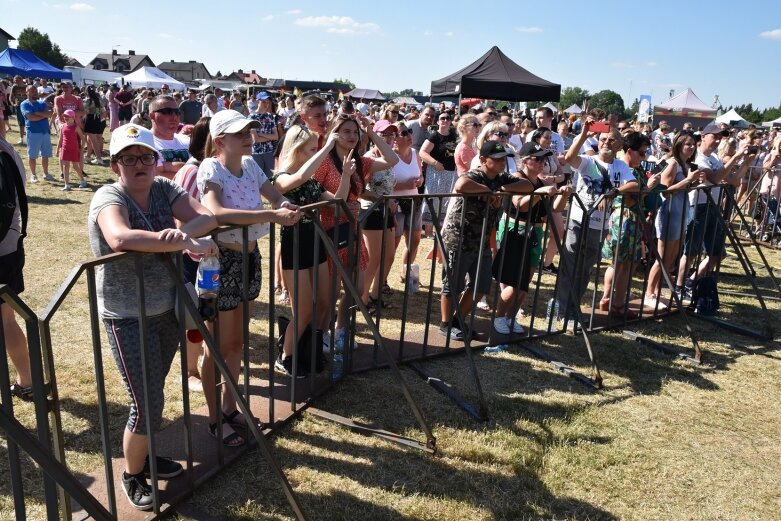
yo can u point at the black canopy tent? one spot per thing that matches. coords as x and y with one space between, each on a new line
495 76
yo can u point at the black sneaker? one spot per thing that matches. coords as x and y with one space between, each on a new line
166 468
455 332
137 490
285 366
550 268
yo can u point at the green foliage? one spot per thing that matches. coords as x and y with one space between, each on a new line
609 101
404 93
345 81
631 112
31 39
570 95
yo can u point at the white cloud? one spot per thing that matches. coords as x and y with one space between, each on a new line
621 65
529 29
82 7
338 24
294 11
651 64
775 34
267 18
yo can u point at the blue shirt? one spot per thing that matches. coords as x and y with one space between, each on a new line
35 127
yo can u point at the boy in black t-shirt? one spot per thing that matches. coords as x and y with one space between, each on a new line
465 252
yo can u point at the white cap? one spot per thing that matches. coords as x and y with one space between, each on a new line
230 122
130 135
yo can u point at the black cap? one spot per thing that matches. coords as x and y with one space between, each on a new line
532 149
714 128
494 150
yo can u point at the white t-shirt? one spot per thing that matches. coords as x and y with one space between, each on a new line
713 163
173 150
241 193
556 144
515 141
591 144
588 183
405 172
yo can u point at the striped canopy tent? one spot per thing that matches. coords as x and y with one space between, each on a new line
685 104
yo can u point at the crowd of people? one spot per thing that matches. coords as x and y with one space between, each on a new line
187 163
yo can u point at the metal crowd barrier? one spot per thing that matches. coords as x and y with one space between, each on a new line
389 346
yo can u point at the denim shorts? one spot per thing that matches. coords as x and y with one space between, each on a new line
38 145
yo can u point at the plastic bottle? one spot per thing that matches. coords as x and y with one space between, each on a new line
337 368
207 284
553 309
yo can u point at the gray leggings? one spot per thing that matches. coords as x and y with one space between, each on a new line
570 281
125 340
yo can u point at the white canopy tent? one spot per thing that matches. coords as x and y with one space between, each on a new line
573 109
551 106
774 123
733 119
152 78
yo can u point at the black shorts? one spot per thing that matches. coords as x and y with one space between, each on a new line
11 266
514 257
306 247
125 113
93 124
374 221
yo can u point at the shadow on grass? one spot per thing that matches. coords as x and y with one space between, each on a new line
50 201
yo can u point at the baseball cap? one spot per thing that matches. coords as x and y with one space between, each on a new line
129 135
714 128
229 122
494 150
69 114
262 95
383 125
534 150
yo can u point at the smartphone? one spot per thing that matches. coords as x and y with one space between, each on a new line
693 167
753 149
659 167
599 127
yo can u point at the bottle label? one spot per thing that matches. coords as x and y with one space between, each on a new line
209 279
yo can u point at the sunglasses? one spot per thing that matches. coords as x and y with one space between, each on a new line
146 159
393 111
475 125
168 111
405 133
444 119
501 134
492 114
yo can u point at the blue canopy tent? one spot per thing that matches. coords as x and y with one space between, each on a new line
25 63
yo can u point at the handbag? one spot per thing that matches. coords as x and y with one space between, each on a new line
340 235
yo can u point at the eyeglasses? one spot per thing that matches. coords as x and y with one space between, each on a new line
501 134
405 133
607 140
146 159
168 111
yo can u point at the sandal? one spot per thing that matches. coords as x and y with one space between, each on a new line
277 289
231 419
23 393
374 303
233 439
386 290
284 298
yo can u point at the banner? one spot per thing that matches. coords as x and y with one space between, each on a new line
644 112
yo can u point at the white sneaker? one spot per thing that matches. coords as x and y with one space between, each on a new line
483 304
96 161
48 177
501 326
83 184
515 326
650 302
66 188
33 178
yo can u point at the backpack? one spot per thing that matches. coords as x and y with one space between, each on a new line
304 345
705 297
11 186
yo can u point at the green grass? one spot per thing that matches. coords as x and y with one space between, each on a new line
662 440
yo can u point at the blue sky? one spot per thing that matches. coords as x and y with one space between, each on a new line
731 49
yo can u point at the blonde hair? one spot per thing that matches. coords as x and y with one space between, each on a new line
295 139
464 123
491 128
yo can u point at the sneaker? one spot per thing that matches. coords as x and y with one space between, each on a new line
570 324
455 332
501 326
66 188
33 178
651 302
551 269
166 468
48 177
137 490
515 327
96 161
83 184
483 304
285 366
